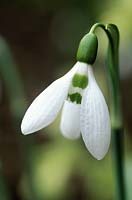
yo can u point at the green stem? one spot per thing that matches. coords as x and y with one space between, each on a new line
115 108
95 26
118 150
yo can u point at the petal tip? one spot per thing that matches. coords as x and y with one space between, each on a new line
68 135
26 128
99 153
99 157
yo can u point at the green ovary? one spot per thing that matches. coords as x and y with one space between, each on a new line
80 81
75 97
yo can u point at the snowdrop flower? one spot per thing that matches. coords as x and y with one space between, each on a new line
84 110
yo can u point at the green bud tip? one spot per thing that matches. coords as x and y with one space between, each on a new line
87 50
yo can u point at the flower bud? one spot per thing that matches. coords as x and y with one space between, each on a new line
87 50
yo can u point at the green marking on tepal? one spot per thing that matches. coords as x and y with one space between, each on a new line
75 97
80 81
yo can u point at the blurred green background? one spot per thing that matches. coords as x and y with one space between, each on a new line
38 43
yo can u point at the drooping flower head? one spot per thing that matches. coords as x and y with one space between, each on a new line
84 110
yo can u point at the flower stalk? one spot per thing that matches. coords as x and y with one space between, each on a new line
112 33
117 122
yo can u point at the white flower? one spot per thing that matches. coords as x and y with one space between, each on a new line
84 110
